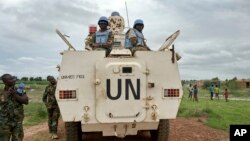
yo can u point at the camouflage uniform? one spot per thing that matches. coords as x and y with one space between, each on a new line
88 41
11 118
18 134
52 107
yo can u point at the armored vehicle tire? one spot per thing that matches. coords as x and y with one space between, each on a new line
161 134
73 131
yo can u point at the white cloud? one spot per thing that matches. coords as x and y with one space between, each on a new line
25 59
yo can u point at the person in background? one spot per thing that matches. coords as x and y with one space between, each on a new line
226 95
134 38
195 92
190 90
11 110
217 91
211 91
49 100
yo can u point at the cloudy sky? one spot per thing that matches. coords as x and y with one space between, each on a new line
214 39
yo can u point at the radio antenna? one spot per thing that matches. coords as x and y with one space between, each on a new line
127 13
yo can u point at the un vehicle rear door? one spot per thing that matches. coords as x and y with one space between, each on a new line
120 90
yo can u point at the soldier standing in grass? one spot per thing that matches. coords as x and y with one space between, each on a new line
11 110
49 100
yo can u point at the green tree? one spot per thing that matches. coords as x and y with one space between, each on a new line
31 79
206 84
24 79
232 84
38 79
235 78
215 79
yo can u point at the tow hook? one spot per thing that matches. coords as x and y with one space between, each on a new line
121 135
154 113
86 115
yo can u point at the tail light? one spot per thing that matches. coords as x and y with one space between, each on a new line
67 94
171 92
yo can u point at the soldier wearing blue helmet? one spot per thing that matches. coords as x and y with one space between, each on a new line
103 19
103 38
134 39
138 22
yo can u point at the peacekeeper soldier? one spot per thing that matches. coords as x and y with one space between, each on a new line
11 110
103 38
49 100
134 39
89 38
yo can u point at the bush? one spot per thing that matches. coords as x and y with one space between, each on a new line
232 84
206 84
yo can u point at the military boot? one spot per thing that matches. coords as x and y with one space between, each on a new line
54 136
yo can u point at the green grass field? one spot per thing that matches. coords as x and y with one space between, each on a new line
219 113
35 111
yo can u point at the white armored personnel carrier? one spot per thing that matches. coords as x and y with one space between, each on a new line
119 94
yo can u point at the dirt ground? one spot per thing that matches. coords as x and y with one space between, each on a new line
181 129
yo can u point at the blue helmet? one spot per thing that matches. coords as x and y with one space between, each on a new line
21 85
138 21
103 19
20 90
115 13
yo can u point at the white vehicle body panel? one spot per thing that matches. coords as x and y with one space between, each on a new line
125 94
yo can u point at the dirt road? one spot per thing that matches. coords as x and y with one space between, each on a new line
181 129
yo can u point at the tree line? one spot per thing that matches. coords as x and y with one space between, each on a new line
39 78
